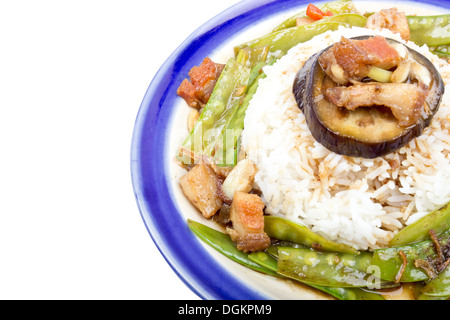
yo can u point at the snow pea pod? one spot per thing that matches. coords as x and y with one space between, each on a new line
439 286
327 269
228 148
270 262
418 295
425 297
264 259
390 261
356 294
442 51
222 243
221 107
438 220
261 261
284 229
281 41
430 30
442 54
336 7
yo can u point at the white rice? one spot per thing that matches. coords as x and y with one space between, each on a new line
361 202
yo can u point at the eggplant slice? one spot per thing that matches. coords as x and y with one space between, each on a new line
366 132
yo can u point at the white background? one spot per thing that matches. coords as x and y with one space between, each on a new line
72 77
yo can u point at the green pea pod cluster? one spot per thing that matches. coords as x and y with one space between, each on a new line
390 261
327 268
270 261
299 254
267 264
221 122
226 153
224 102
410 242
222 243
279 42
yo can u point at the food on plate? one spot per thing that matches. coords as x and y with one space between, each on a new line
353 60
247 218
203 78
353 111
201 187
321 152
390 19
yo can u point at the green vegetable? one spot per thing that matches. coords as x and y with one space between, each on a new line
327 269
380 75
337 7
439 286
430 30
284 229
442 54
228 148
220 109
262 262
418 295
442 51
264 259
355 294
223 244
255 57
281 41
270 262
218 128
389 260
438 220
425 297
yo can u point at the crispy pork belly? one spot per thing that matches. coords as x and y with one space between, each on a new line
405 100
246 215
352 59
203 78
379 52
201 186
390 19
187 90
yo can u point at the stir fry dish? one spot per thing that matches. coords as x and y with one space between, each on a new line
321 151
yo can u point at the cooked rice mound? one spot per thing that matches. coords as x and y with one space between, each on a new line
361 202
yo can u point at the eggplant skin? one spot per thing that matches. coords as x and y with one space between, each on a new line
350 146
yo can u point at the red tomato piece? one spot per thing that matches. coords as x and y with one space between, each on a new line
313 12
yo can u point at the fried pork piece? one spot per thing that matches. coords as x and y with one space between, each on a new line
246 215
201 186
390 19
405 100
203 78
352 59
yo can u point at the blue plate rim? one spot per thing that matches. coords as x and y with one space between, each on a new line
150 181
